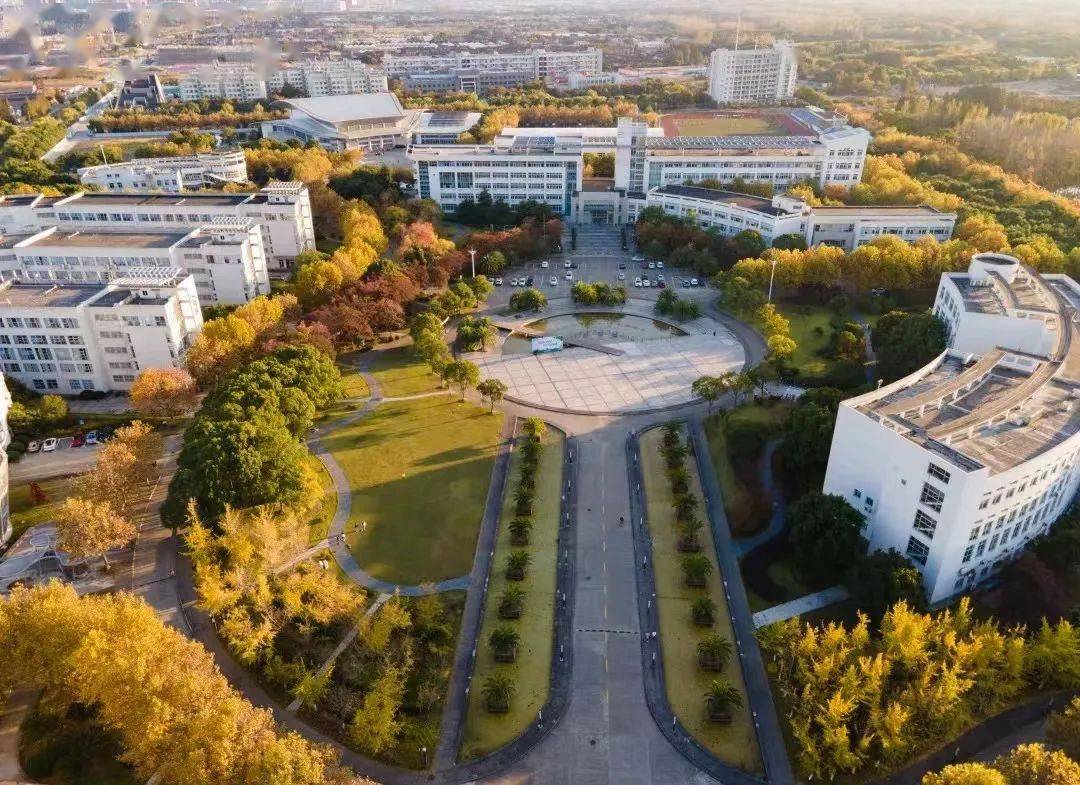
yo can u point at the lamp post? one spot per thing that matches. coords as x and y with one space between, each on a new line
772 275
472 258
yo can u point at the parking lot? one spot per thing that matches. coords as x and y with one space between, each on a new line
598 257
64 460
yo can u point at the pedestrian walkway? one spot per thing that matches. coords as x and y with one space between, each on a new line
799 606
18 707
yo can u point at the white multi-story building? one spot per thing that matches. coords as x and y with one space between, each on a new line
845 227
66 338
960 464
281 209
171 174
531 168
753 76
328 77
225 258
5 440
479 71
373 121
819 148
233 83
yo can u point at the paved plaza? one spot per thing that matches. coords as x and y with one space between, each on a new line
647 375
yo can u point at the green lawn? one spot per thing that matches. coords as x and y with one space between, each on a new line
805 321
419 472
782 572
746 504
353 382
735 744
319 524
399 372
25 514
485 732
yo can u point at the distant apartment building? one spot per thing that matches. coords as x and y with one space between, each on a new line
5 440
959 465
845 227
478 72
753 76
282 211
316 78
232 83
66 338
171 174
141 92
225 258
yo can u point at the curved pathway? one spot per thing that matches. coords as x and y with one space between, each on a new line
778 516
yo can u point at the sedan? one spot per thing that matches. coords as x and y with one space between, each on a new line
659 265
566 264
33 446
529 281
553 281
622 265
662 285
78 440
652 265
498 281
685 283
569 275
694 282
638 259
645 283
637 283
544 264
91 438
622 276
48 445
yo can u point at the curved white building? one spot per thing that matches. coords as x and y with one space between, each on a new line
169 174
959 465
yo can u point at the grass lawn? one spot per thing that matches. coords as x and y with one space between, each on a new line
485 732
400 372
735 744
419 472
724 126
352 381
782 573
24 513
745 502
805 320
320 520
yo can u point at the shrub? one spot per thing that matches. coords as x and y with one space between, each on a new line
516 565
702 611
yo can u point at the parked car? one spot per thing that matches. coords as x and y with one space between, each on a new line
622 276
569 275
685 283
544 264
566 264
78 440
573 265
106 433
659 265
529 281
660 277
637 282
662 285
645 283
652 265
638 259
622 265
694 282
91 438
553 281
33 446
48 445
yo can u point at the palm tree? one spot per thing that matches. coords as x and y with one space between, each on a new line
685 505
516 564
702 611
688 530
498 692
714 652
504 643
520 528
674 456
512 603
722 697
696 569
535 428
523 501
679 480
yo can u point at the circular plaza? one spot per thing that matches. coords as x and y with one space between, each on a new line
611 361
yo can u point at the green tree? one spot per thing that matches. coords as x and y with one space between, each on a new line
709 388
492 390
882 579
461 374
721 697
824 536
528 300
1063 728
498 691
376 725
905 342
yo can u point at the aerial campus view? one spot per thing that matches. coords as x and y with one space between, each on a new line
400 392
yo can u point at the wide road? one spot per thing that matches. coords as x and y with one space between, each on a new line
608 736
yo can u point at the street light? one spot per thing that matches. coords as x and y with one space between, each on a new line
472 257
771 276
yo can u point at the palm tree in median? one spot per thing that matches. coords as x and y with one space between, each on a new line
714 652
498 691
516 565
520 529
512 603
504 643
721 698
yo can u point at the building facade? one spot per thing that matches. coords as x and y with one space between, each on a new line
753 76
328 77
282 211
143 92
225 258
374 121
477 72
847 227
233 83
73 337
171 174
959 465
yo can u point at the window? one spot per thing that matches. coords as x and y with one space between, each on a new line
967 553
917 551
858 494
924 524
932 497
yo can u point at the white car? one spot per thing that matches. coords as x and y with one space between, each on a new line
645 283
553 281
569 275
693 282
622 276
659 265
659 277
544 264
638 259
48 445
637 283
498 281
566 264
652 265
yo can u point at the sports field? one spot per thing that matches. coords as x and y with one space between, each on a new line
719 124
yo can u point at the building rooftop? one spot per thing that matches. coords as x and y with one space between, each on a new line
855 211
757 203
333 109
208 199
739 142
144 240
33 295
448 122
